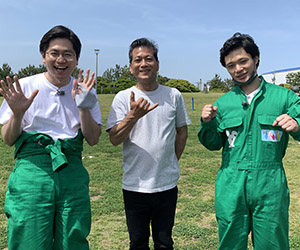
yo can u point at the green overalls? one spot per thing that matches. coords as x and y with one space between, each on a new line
251 192
47 200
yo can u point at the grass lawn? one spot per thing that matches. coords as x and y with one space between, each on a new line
195 224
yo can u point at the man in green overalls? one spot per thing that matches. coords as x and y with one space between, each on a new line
46 117
252 124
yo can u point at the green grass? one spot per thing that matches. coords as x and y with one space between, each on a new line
195 224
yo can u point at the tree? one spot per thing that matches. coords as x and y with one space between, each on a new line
293 78
121 84
103 84
5 71
113 74
162 79
229 85
31 70
216 84
125 72
76 72
109 75
182 85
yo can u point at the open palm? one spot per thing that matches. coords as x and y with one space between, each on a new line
15 97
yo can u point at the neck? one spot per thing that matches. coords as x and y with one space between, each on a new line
247 89
57 82
147 86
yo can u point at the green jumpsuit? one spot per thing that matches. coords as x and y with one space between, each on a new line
47 200
251 192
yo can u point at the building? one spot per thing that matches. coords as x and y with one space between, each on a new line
279 76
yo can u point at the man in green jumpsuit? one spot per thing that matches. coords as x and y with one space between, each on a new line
47 200
252 124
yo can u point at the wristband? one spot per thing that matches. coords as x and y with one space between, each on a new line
85 99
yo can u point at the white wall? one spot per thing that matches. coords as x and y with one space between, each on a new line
279 77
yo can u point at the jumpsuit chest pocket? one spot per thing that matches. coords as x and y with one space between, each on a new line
267 131
231 128
271 139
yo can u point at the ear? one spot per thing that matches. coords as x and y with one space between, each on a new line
43 57
256 60
130 67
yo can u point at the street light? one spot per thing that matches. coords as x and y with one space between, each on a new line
97 52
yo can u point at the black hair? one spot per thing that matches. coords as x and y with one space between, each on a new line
237 41
143 42
60 31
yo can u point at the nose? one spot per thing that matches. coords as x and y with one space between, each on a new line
60 58
143 63
238 67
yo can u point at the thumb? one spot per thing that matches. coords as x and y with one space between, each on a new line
214 112
33 95
132 97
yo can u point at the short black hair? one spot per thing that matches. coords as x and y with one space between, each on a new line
143 42
60 31
237 41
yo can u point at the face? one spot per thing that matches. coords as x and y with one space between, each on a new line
240 64
60 60
144 67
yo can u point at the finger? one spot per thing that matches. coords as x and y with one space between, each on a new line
18 86
92 84
86 77
278 120
80 75
153 107
91 81
4 86
274 123
75 84
146 106
10 84
132 99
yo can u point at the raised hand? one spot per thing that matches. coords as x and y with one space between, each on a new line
287 123
140 107
208 113
15 97
87 82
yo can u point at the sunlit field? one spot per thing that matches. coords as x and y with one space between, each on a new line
195 223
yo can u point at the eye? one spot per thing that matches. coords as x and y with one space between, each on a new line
230 66
68 55
53 54
149 59
244 61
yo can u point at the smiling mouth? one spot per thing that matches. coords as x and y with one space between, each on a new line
242 76
144 71
60 68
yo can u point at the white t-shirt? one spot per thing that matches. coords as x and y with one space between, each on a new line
50 113
149 160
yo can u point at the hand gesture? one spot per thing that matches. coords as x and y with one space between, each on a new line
15 97
87 82
287 123
140 107
208 113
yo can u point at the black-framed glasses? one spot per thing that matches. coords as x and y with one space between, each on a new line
54 55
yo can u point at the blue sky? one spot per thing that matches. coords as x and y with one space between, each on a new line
189 33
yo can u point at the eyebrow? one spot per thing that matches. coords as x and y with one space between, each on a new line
67 50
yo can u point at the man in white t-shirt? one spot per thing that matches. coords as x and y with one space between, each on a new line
46 117
151 121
